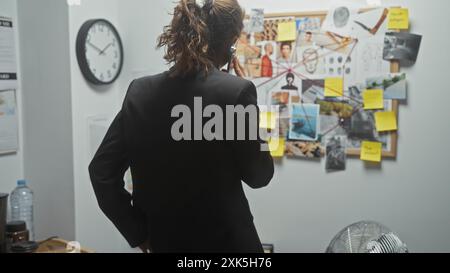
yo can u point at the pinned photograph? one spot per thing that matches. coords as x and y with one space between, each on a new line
362 123
401 46
303 149
312 90
338 65
268 59
394 85
308 24
311 60
256 22
304 122
370 23
270 32
281 99
249 55
286 56
340 18
334 118
336 153
290 82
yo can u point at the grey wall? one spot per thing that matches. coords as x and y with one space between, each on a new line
48 152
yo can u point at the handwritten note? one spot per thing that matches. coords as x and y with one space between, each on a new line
267 120
334 87
287 31
386 121
373 99
398 18
371 151
277 147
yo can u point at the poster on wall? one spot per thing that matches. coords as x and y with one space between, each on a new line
9 136
97 128
8 62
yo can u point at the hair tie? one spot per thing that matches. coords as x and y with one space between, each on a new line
207 6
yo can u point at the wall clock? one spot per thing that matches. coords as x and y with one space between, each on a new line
99 52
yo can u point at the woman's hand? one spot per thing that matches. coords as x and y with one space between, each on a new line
238 68
145 247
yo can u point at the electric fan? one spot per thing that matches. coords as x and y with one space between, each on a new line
366 237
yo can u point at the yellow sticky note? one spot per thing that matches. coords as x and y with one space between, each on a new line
277 147
386 121
398 18
373 99
287 31
267 120
334 87
371 151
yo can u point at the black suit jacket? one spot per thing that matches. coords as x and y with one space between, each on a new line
187 195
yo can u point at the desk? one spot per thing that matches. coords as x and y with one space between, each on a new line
56 245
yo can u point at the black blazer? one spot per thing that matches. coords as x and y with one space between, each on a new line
187 195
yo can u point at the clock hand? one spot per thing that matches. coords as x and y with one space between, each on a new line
94 46
103 51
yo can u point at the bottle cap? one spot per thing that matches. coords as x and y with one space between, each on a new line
21 183
16 226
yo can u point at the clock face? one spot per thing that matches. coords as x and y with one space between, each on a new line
99 52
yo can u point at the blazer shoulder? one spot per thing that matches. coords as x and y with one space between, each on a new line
147 81
236 86
144 86
235 81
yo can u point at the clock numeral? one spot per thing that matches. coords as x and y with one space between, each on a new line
94 71
114 65
102 77
101 28
109 74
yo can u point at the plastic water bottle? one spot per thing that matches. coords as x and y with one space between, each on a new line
22 205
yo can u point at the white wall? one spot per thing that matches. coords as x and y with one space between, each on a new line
87 101
92 228
11 166
47 120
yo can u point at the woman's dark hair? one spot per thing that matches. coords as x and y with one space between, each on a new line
198 33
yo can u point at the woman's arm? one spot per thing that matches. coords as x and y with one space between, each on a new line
256 166
107 171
